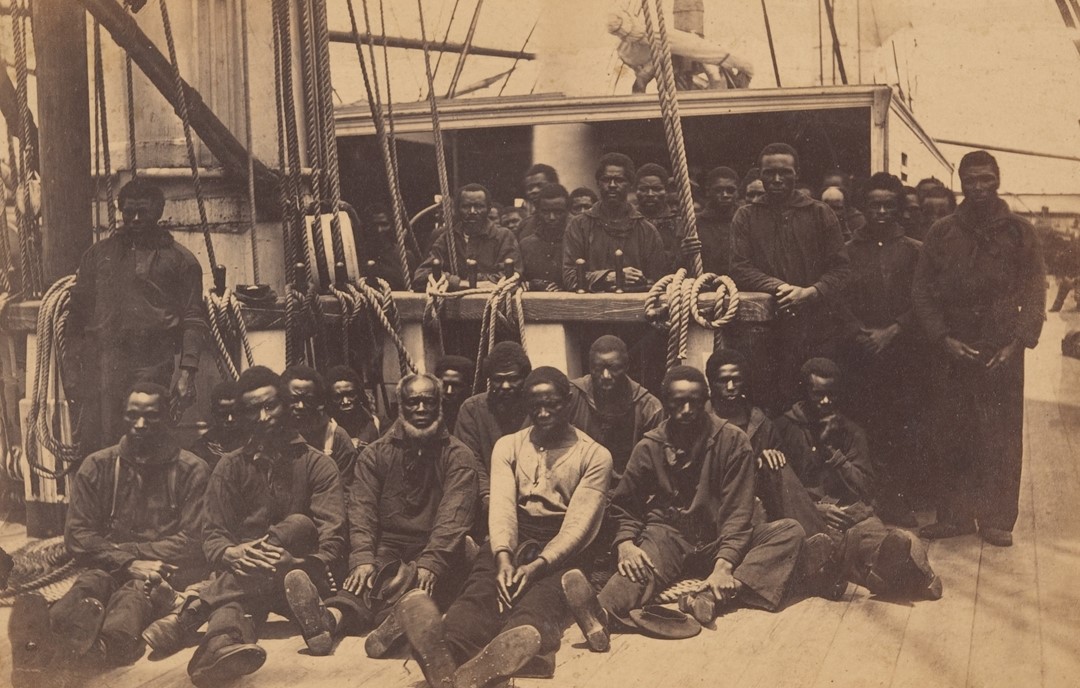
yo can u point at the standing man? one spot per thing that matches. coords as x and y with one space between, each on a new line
225 434
542 246
135 525
714 223
980 295
611 407
791 246
911 215
536 178
581 200
410 504
684 508
887 351
548 488
613 224
455 374
348 407
138 299
375 241
307 397
653 182
475 237
274 505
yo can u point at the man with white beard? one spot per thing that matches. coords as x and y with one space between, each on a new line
410 504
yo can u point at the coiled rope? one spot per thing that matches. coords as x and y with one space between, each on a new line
382 309
228 330
683 296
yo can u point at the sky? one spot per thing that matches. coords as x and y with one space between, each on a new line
993 72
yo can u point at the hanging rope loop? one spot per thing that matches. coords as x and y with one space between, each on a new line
675 300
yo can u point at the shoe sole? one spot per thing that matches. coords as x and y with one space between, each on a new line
1002 540
84 624
235 662
32 641
500 659
309 612
586 609
423 626
381 641
703 608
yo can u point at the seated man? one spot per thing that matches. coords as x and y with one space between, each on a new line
475 237
348 409
610 225
134 522
684 508
830 455
548 488
541 248
455 375
486 417
224 434
274 505
307 396
411 503
609 406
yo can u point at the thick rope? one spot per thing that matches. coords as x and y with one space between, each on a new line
381 305
249 142
182 110
133 162
51 350
669 108
33 280
683 295
103 124
328 138
25 249
440 154
225 317
390 132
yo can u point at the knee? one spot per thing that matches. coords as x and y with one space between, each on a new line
785 530
296 533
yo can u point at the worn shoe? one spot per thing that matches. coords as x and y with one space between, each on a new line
316 624
81 629
423 625
386 636
227 664
946 529
996 536
174 632
6 565
700 605
891 563
33 646
590 616
935 589
500 659
818 569
540 666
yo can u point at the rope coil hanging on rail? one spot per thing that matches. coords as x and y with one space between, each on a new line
683 295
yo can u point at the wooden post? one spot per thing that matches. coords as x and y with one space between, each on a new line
64 121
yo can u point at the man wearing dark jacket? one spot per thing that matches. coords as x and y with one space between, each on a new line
790 246
134 522
887 350
610 225
274 505
475 237
225 434
410 505
980 296
714 223
374 234
652 202
684 508
541 249
831 456
609 406
308 396
138 299
348 407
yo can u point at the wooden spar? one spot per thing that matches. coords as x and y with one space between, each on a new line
417 44
64 112
9 107
218 138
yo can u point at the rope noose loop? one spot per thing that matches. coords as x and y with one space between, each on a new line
683 296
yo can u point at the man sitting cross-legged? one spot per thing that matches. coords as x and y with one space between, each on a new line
272 506
548 485
684 508
410 504
134 523
830 455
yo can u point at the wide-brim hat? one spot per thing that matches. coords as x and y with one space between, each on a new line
661 622
389 582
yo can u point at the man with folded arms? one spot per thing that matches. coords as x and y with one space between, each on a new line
684 508
548 487
410 504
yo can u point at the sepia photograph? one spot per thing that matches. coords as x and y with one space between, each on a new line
551 344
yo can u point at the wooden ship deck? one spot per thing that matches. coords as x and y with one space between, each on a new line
1009 617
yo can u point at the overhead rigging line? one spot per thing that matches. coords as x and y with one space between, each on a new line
835 41
465 51
772 46
103 127
33 278
518 59
249 141
446 35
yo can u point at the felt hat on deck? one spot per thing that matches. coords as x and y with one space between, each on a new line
389 582
660 622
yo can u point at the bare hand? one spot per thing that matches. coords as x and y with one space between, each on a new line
251 557
185 393
835 434
877 340
791 296
633 275
959 350
772 458
525 575
720 582
634 562
359 578
1002 357
426 580
835 516
504 579
145 569
690 245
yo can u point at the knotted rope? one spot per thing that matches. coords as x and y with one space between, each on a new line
683 294
382 309
225 317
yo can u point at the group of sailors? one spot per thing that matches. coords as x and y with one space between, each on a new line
473 528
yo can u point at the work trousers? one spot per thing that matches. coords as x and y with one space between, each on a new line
475 618
128 612
765 572
977 431
361 615
859 547
783 496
